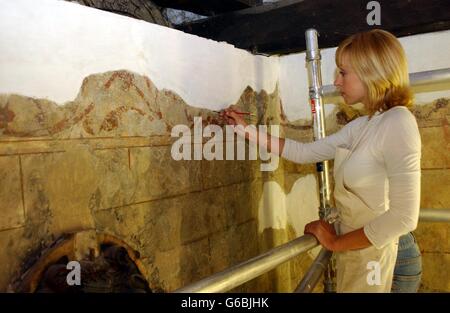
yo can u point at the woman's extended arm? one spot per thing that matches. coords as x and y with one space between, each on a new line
273 144
298 152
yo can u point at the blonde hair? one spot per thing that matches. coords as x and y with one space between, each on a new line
380 63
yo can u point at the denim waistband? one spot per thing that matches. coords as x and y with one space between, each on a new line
406 241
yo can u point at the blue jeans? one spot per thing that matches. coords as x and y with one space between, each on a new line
408 268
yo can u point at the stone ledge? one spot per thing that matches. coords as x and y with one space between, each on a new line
51 145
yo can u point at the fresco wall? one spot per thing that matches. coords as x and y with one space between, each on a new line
85 144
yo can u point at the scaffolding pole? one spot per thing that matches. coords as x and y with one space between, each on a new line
313 58
243 272
415 79
434 215
314 273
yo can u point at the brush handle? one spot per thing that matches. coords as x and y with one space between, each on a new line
242 113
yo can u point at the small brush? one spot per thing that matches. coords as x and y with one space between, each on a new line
242 113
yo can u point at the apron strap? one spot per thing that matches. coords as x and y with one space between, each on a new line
358 139
355 143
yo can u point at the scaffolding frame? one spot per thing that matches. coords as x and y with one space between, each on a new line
254 267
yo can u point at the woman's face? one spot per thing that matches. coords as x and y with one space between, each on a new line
349 84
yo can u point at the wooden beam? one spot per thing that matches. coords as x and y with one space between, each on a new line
251 3
279 28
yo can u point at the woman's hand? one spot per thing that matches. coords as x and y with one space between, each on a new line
232 116
324 232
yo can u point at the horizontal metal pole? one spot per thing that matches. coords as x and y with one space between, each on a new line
434 215
314 273
415 79
245 271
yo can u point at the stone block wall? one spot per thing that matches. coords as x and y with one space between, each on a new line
103 162
434 238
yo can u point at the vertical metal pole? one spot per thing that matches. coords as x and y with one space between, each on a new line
315 98
314 273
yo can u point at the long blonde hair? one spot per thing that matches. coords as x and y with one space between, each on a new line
380 63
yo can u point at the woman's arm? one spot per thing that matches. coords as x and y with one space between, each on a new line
273 144
356 239
326 235
401 150
298 152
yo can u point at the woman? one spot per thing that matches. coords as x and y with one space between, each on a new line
376 162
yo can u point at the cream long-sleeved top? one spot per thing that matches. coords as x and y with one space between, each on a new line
383 170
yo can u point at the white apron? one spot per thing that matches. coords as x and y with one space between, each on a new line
363 270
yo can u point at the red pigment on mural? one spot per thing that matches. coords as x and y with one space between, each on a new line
111 120
127 78
6 116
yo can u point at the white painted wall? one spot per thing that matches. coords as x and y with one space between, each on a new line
296 208
47 47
